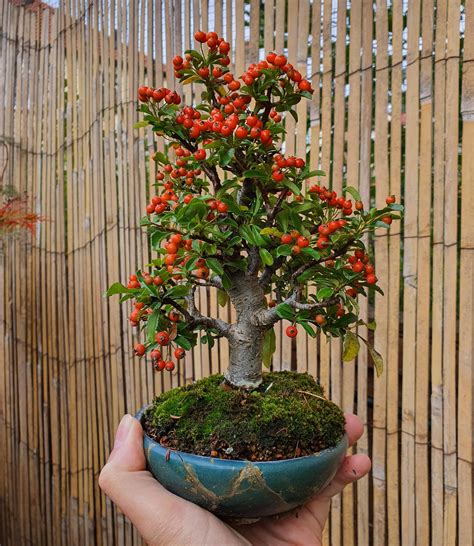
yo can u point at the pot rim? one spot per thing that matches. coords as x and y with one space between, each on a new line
327 451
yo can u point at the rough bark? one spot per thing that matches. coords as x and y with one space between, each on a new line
246 336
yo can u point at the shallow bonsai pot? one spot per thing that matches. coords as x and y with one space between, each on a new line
242 489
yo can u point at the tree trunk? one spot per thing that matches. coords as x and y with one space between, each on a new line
245 363
246 338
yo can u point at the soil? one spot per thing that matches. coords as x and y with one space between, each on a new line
287 416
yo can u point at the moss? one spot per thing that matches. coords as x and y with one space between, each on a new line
286 416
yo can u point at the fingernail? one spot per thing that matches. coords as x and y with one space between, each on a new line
123 430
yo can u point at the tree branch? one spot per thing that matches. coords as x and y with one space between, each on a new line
268 317
266 276
276 209
335 254
211 172
214 281
194 317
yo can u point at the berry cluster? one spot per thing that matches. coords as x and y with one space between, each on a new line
283 166
163 340
147 94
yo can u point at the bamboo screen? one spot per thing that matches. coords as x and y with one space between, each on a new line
393 112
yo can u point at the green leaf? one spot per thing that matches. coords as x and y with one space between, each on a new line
292 186
191 79
285 311
215 265
355 194
227 157
246 233
118 288
259 239
254 173
371 325
226 281
269 347
284 250
396 206
283 218
178 291
377 359
183 342
152 325
161 158
311 252
351 347
294 114
266 257
222 297
271 231
139 124
311 174
324 293
308 328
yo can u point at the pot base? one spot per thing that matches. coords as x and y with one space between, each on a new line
243 489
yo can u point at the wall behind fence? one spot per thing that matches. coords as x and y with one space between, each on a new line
394 103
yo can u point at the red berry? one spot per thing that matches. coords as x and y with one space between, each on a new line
302 242
224 48
286 239
387 220
390 199
320 320
139 349
358 267
291 331
296 250
202 273
169 365
160 365
371 279
162 338
200 154
279 60
251 121
304 85
155 354
176 238
204 72
222 207
278 176
241 132
200 36
179 353
173 316
265 136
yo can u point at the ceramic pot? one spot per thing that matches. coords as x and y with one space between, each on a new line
242 489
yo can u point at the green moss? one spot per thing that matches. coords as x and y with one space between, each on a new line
286 416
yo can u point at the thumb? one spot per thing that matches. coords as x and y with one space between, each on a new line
135 491
159 516
127 453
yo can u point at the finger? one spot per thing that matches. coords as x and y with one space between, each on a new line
352 469
354 428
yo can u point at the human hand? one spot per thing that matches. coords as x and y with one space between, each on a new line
162 518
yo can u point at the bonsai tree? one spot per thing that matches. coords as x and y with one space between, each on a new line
233 212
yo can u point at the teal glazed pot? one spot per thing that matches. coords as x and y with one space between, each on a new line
242 489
